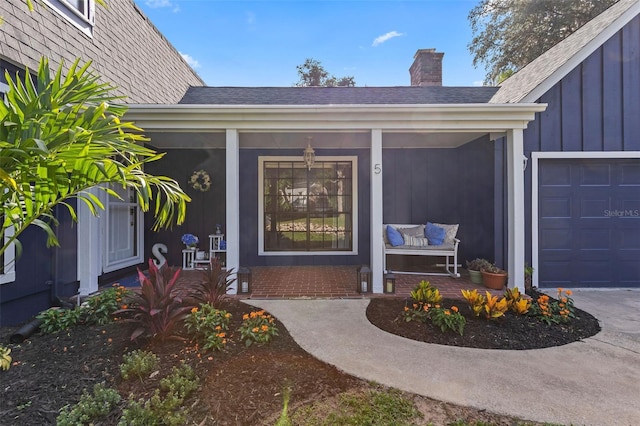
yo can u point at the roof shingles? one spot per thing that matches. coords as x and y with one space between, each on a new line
401 95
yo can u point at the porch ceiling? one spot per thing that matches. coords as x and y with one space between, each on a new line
321 140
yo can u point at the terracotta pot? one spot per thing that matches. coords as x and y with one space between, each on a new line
494 281
476 276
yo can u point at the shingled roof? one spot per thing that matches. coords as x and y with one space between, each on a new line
401 95
532 81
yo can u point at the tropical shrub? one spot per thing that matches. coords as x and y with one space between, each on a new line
62 136
5 358
214 283
208 326
488 306
424 292
156 306
257 327
516 302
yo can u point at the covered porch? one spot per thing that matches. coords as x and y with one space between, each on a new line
380 139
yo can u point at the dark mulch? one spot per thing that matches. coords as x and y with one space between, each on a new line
508 332
240 385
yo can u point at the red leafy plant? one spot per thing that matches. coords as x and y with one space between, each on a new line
156 306
214 283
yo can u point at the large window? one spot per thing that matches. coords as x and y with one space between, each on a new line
307 210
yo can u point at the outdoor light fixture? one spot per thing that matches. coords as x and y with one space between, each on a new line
525 161
309 154
364 280
244 280
389 283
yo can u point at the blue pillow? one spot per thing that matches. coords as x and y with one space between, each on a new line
394 236
434 234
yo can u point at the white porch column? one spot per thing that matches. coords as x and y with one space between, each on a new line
89 247
233 202
377 263
515 214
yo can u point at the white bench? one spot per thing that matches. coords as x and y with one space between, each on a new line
446 250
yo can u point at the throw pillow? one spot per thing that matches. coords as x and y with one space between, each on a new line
434 234
394 236
415 231
450 232
412 241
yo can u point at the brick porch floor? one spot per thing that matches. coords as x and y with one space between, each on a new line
287 282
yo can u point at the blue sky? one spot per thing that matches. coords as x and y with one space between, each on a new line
260 43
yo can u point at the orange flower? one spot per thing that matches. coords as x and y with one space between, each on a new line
227 315
264 328
569 292
124 306
255 329
194 310
447 312
454 308
218 328
437 306
245 317
415 306
406 308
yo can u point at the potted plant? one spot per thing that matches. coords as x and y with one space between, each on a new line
494 277
475 267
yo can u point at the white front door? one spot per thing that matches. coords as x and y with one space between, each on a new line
123 231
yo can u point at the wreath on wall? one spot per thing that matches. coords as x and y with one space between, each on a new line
200 181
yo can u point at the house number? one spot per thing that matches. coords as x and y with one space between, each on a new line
377 169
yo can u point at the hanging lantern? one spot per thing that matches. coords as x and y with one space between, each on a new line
309 154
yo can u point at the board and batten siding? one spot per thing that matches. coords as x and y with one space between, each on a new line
594 108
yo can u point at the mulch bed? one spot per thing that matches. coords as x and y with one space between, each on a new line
508 332
240 385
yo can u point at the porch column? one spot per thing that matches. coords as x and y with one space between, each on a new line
233 202
89 247
515 213
377 263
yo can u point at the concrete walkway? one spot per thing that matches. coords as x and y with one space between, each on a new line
593 382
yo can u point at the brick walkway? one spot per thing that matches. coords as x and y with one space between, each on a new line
286 282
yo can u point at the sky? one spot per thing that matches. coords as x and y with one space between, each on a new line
260 43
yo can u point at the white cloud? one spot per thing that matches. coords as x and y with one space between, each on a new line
193 63
158 3
384 37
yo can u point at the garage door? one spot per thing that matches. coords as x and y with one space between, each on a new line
589 223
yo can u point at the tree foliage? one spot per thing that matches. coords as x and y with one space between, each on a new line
508 34
313 74
61 136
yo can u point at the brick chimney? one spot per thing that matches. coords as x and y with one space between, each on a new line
426 69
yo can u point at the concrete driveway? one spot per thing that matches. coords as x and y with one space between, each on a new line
593 382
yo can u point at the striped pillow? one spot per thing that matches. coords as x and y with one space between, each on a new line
412 241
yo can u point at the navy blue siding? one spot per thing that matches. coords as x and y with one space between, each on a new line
249 212
205 210
41 273
596 107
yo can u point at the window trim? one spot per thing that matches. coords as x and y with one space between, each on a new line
108 266
9 259
83 21
354 190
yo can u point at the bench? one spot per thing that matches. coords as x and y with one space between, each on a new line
448 250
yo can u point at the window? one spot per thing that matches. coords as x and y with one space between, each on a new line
123 231
81 13
307 211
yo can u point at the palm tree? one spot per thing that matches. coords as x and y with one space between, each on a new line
61 136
